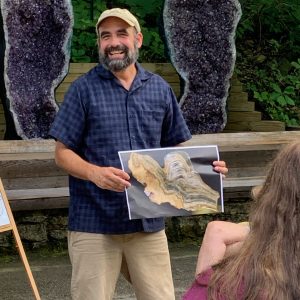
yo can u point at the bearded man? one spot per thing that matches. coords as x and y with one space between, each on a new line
116 106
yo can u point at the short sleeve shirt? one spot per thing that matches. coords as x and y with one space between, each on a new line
98 118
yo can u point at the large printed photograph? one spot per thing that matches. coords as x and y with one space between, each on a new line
178 181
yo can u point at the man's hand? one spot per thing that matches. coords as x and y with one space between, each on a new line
110 178
220 166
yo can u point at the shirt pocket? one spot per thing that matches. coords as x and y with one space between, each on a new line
151 124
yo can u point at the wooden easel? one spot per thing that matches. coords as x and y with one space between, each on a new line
7 222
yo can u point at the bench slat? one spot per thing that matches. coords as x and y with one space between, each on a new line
37 193
243 182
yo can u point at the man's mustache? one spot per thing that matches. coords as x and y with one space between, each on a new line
122 48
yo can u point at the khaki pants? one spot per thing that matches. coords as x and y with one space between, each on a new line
97 260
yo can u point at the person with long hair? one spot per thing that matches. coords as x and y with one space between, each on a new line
265 263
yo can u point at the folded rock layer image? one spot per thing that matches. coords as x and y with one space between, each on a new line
37 35
177 183
200 37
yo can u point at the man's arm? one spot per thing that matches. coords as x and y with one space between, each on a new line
109 178
220 240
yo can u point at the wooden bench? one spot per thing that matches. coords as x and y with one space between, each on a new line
32 180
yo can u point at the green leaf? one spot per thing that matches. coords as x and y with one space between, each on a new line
295 65
289 100
281 100
289 90
276 88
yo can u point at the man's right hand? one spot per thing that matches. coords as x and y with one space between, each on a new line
110 178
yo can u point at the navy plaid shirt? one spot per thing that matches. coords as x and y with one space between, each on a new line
98 118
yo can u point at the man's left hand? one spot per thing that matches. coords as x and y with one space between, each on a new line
220 166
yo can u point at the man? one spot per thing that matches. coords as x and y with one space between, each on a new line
116 106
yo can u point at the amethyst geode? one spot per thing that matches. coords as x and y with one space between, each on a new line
37 35
200 37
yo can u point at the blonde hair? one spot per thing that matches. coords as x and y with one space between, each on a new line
268 264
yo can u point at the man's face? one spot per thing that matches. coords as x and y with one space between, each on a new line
118 44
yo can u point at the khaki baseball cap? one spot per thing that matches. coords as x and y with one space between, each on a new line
121 13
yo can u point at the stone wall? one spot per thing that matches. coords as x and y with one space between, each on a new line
48 228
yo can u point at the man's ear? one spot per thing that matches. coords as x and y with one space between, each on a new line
139 38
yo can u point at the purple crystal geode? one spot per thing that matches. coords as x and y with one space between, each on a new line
200 36
37 35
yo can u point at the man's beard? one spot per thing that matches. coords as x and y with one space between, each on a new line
116 65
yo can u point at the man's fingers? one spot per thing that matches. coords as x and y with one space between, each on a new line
114 179
220 166
120 173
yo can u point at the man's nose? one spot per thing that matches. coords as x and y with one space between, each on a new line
114 41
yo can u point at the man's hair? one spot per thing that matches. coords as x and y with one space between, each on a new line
268 264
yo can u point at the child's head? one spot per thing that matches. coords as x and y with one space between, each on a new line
280 194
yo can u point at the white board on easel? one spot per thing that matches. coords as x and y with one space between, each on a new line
4 219
7 222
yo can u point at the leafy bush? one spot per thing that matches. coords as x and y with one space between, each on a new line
281 93
268 51
84 41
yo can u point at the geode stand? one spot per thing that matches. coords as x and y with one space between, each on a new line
200 36
37 36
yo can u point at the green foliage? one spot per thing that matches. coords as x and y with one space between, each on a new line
268 51
271 19
84 41
149 14
281 94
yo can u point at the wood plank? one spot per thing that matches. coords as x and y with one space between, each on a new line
244 141
29 168
242 172
27 156
37 204
28 146
241 106
240 193
249 158
229 183
233 141
235 116
160 68
70 78
80 68
36 182
38 193
236 88
261 126
241 96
